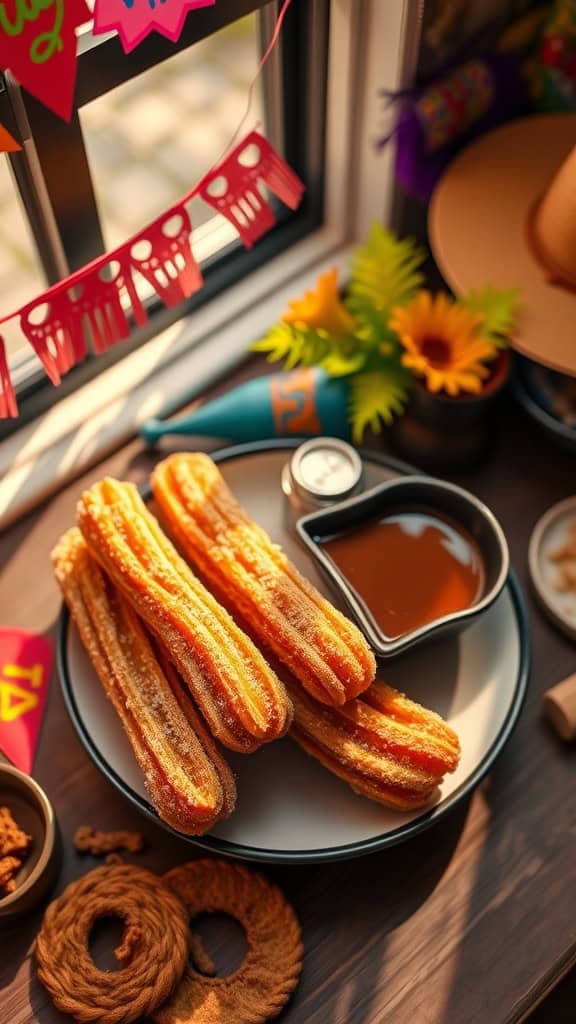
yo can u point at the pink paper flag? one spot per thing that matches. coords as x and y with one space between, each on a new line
38 45
135 19
25 669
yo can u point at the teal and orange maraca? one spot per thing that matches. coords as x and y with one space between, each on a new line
302 403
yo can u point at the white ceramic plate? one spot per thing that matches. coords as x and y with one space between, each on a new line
289 807
549 534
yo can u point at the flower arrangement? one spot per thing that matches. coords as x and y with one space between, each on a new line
388 330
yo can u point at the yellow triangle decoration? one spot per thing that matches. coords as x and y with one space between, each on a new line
14 701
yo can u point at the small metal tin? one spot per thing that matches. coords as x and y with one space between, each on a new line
320 473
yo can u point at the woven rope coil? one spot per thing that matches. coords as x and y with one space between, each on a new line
263 983
152 954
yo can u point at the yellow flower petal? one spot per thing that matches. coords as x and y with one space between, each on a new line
441 343
321 308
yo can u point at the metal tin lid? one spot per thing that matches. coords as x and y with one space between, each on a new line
322 471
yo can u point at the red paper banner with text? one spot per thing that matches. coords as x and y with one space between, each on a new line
25 670
135 19
38 45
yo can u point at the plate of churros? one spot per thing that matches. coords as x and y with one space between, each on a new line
214 676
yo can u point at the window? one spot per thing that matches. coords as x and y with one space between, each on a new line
322 107
150 138
21 274
148 125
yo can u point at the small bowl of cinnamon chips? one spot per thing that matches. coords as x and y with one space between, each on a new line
28 843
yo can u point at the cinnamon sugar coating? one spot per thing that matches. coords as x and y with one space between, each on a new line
385 746
241 698
188 781
322 648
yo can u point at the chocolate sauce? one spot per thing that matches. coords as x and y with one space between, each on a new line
409 568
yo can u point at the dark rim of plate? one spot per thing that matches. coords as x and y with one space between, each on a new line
315 856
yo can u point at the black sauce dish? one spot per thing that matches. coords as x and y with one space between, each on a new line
434 496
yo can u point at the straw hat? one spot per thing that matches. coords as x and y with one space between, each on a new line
504 214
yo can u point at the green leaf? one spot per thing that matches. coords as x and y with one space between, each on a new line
376 396
295 344
300 345
385 273
372 327
277 343
498 307
340 364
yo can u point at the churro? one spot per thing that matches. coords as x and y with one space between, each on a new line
320 646
188 781
241 698
385 746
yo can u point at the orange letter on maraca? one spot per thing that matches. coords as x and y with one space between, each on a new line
293 404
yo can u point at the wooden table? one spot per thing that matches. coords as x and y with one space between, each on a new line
472 922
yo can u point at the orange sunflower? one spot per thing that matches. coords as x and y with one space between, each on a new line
443 343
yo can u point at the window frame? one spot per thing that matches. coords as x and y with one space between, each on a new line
67 228
372 47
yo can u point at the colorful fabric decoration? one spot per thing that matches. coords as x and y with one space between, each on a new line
553 75
8 143
38 45
25 669
97 306
533 67
450 106
135 19
432 125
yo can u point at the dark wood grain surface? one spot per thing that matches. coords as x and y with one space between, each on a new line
470 923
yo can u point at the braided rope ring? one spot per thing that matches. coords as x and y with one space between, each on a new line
265 980
152 954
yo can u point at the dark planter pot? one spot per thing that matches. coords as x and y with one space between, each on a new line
443 433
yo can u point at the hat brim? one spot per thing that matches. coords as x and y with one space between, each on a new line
478 227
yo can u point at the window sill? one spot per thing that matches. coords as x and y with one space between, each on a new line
173 368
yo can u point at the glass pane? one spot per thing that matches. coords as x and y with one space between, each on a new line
21 276
151 139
